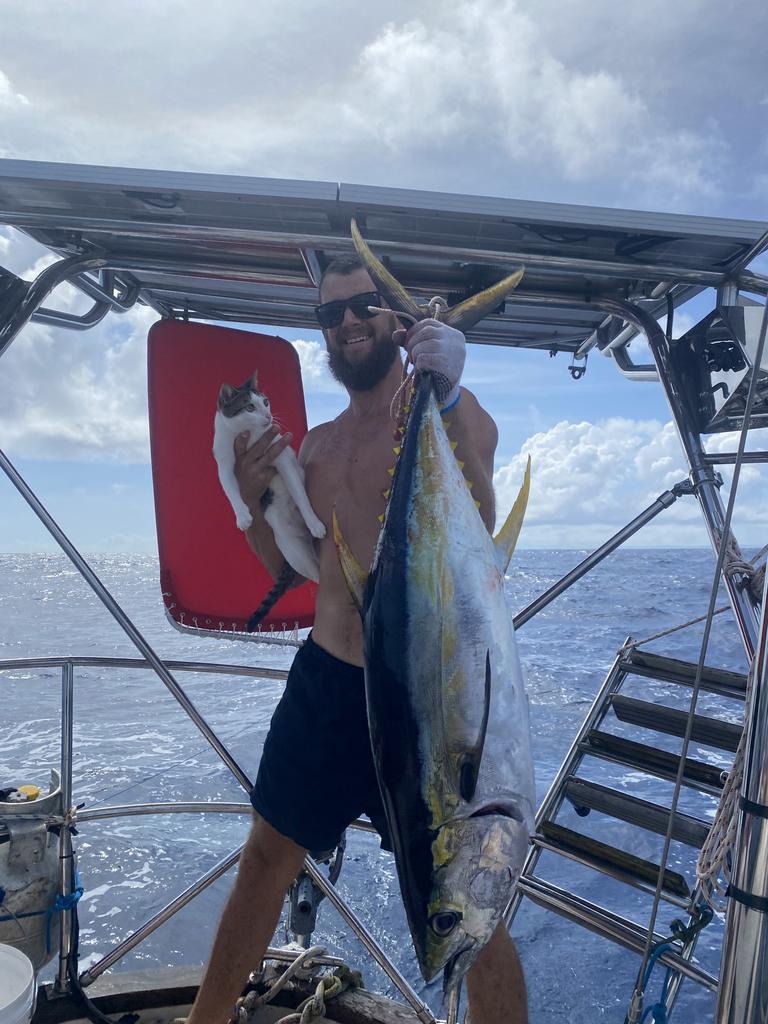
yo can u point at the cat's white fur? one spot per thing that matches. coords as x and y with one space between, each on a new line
289 513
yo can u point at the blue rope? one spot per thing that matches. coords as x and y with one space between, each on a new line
659 1009
62 903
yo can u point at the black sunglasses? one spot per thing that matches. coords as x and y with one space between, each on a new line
330 314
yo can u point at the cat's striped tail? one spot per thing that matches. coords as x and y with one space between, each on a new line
283 582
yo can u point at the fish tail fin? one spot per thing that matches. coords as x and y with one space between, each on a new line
463 316
472 310
354 574
396 296
506 539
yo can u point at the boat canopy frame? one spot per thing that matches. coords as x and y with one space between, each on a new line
252 250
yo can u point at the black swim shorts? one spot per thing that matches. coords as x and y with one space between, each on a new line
316 773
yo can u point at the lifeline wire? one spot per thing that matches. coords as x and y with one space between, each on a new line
722 550
164 769
751 564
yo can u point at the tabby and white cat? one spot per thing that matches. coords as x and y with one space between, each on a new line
286 506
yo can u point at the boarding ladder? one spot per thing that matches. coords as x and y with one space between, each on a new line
652 721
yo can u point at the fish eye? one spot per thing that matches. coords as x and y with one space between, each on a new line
444 922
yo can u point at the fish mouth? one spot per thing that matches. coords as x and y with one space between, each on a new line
499 809
457 967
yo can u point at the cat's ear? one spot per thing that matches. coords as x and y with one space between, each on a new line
254 381
225 394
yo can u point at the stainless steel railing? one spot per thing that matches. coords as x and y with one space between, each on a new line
66 922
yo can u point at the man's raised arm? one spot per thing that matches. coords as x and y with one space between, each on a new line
440 349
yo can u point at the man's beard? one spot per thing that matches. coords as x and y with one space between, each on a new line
364 374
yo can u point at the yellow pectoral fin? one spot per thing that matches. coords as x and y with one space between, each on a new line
506 539
354 574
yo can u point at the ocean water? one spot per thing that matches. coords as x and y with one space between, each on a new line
133 743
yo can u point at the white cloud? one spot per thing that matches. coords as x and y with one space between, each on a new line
8 96
488 72
314 366
72 395
590 479
21 254
480 96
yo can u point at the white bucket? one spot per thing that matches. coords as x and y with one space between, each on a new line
17 987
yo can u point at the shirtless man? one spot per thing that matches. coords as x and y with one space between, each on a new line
319 729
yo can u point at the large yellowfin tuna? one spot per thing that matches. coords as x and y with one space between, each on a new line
447 710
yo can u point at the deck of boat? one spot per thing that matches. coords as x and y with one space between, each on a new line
163 996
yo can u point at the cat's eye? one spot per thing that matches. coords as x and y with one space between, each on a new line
249 407
266 403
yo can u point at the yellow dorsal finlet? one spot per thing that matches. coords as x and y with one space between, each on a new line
506 539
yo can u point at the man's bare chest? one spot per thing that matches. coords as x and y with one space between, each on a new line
350 472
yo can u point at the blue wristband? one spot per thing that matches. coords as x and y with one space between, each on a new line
454 403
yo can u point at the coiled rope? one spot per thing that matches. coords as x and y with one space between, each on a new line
715 861
312 1008
435 307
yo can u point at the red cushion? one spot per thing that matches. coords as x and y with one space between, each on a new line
209 576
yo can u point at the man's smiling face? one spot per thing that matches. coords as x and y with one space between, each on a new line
360 351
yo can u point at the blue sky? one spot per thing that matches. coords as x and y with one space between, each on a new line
538 101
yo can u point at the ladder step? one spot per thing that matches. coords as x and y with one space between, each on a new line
661 763
601 921
610 860
673 670
642 813
711 731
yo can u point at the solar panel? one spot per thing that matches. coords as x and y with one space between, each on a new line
216 247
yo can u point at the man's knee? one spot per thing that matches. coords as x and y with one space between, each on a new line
269 857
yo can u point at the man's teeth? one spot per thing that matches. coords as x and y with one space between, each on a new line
355 340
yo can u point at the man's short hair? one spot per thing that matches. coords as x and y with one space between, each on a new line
343 265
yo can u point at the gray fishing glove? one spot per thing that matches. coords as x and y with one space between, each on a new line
440 349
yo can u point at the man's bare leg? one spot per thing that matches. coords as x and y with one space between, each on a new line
496 985
268 865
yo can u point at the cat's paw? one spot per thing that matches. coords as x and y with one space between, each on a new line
316 528
244 520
